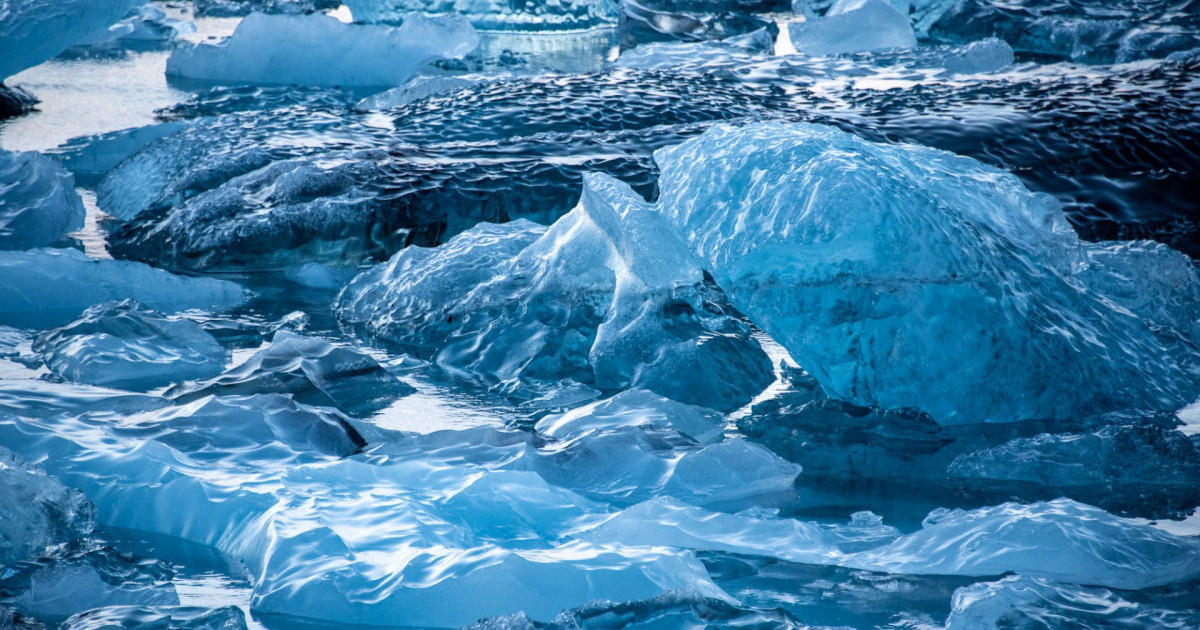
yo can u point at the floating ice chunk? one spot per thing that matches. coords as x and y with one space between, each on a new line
90 158
317 276
312 370
68 588
666 522
41 516
1058 540
1119 463
729 471
241 8
127 346
320 50
157 618
635 408
906 277
38 202
144 27
1025 602
988 55
607 296
853 26
494 15
418 88
32 31
49 287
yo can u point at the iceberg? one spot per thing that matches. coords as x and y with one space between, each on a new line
607 296
125 345
494 15
32 31
158 618
42 516
144 28
321 51
38 202
851 26
50 287
904 277
311 370
1059 540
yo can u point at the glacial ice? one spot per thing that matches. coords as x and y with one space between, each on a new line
418 88
311 370
1058 540
645 21
38 202
1023 602
606 296
125 345
634 408
50 287
67 588
144 28
90 158
853 26
41 516
32 31
885 268
494 15
157 618
321 51
242 8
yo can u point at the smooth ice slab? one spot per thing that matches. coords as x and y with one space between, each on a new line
495 15
38 202
49 287
853 26
1058 540
32 31
320 50
312 370
128 346
905 277
606 296
635 408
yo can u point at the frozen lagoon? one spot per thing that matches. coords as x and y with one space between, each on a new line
508 422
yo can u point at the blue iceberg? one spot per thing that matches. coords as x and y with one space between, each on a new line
905 277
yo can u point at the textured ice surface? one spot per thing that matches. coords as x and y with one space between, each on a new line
41 516
50 287
607 296
905 277
32 31
1058 540
418 88
495 15
1109 32
38 203
440 528
128 346
238 8
693 20
853 26
312 371
320 50
86 581
278 188
635 408
158 618
1023 602
91 158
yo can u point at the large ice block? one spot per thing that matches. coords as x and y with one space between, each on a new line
853 26
319 50
41 516
495 15
32 31
606 296
905 277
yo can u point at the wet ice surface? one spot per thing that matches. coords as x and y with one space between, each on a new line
492 347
